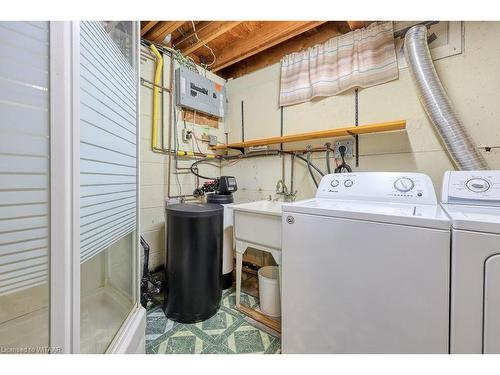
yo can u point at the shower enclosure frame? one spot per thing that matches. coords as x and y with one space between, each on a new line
65 199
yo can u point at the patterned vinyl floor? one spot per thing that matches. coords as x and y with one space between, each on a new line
227 332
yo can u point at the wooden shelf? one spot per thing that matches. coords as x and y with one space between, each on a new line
331 133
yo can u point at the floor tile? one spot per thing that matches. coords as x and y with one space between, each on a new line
249 339
218 349
227 332
246 299
182 341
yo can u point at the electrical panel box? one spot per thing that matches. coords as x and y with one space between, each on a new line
193 91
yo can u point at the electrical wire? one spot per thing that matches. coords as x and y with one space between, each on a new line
197 144
182 60
211 50
343 166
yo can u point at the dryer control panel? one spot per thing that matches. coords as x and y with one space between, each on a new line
393 187
471 188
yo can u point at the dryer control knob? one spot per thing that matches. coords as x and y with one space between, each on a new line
478 185
348 183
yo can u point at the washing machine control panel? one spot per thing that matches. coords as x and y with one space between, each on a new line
379 187
471 188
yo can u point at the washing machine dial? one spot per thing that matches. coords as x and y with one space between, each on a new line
334 183
404 184
478 185
348 183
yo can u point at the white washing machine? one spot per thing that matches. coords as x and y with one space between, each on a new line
472 201
366 267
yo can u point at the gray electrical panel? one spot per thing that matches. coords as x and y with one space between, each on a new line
199 93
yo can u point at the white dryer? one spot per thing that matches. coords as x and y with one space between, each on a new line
366 267
472 201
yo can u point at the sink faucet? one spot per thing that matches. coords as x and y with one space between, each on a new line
282 189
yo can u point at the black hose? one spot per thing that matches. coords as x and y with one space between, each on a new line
343 166
145 269
201 161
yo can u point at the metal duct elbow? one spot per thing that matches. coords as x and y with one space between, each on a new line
431 93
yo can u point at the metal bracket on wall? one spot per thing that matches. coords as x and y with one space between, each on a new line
281 126
240 149
242 126
356 123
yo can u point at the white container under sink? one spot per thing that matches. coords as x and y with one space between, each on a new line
269 291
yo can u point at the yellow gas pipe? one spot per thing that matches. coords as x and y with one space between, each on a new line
156 91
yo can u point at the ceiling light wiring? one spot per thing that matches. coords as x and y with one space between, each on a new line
211 50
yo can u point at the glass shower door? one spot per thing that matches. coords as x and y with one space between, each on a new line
24 187
108 181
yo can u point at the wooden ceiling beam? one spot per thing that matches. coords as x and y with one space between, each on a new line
146 26
162 29
274 54
209 33
271 34
183 38
354 25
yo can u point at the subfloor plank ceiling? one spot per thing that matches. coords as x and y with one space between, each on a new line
235 48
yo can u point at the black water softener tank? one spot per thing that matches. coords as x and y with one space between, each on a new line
194 261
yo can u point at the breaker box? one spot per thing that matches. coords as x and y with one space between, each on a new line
199 93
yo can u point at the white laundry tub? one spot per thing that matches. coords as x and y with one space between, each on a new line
259 223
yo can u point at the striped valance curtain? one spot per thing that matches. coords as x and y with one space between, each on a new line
362 58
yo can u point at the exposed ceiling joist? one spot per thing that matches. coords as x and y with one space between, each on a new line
354 25
209 33
274 54
266 37
241 47
146 26
162 29
185 34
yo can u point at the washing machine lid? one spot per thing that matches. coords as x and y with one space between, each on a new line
474 218
428 216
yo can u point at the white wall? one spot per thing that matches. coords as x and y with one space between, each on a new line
154 172
471 79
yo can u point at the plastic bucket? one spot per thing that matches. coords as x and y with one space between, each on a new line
269 291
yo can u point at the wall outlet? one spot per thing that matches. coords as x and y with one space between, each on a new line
186 135
348 145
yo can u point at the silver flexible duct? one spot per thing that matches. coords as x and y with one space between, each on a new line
462 151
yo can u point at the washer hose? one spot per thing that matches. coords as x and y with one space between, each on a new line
327 156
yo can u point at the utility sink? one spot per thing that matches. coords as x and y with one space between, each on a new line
258 223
